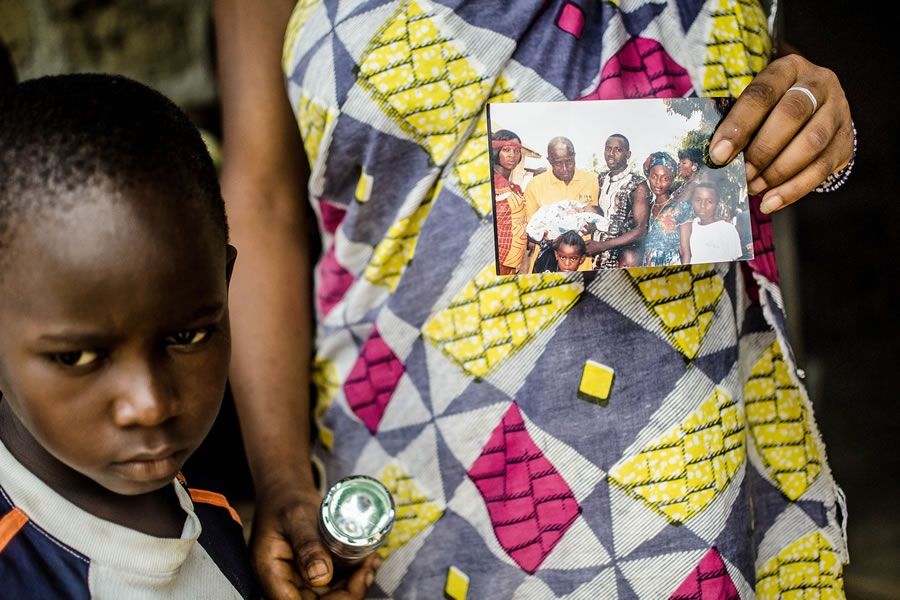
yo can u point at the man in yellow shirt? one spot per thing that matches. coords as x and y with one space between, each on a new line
562 182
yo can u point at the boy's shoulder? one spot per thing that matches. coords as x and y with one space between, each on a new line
50 548
222 537
34 564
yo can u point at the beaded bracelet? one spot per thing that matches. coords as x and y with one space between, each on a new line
838 178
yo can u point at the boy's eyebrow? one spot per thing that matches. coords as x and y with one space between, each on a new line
75 336
208 310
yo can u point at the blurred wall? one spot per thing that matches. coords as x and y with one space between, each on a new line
164 43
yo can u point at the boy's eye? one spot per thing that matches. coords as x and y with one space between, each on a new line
188 337
80 358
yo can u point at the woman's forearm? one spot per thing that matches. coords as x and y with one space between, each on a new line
264 185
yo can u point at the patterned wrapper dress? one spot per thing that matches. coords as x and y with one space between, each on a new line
636 434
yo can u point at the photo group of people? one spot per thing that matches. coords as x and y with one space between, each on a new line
669 210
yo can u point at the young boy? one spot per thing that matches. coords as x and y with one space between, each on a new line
114 346
709 238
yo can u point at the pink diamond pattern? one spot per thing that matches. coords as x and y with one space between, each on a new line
332 215
641 69
334 281
531 506
708 581
372 381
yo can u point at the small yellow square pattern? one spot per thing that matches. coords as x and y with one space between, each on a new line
363 187
596 383
457 587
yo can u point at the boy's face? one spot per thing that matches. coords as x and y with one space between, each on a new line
705 201
114 342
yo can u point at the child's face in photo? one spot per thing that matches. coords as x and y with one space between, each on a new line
705 201
114 340
568 257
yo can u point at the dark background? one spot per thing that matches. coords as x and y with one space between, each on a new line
846 280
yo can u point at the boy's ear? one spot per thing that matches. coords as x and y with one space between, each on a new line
230 257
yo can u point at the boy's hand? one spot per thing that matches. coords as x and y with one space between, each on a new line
790 144
290 559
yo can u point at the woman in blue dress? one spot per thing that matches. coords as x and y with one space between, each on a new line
668 212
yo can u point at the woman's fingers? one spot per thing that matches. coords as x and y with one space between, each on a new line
751 109
807 179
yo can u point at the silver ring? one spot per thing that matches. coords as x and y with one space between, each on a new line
809 94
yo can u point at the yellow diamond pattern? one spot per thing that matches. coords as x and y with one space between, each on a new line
325 378
685 469
314 118
302 10
457 586
780 424
423 80
415 511
394 252
684 299
493 317
737 49
473 165
809 569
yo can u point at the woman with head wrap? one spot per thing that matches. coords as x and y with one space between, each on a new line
509 202
662 246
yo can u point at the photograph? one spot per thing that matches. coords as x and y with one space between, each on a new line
595 185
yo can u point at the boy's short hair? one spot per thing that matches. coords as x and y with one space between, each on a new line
64 133
708 184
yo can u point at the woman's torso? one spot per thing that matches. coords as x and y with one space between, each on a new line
544 436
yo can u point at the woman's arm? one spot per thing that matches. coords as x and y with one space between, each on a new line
264 184
640 212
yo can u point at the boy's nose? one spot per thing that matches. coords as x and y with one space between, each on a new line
145 400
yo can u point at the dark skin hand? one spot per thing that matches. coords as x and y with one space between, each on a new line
789 148
640 210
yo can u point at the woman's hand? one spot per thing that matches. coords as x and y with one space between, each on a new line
790 143
289 557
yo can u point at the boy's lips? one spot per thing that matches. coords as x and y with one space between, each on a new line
152 466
